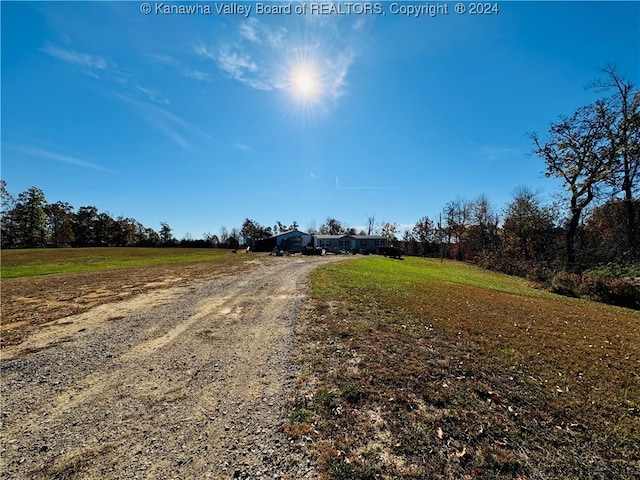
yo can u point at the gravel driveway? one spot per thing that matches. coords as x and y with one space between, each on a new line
186 382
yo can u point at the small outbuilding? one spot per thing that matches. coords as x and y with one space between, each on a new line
292 241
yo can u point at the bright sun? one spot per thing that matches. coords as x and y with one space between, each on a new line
305 83
306 86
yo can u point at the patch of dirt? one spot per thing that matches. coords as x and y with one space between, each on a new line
153 373
28 302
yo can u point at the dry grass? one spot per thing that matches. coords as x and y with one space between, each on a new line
95 276
422 370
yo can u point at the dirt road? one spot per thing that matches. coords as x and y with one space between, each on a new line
186 382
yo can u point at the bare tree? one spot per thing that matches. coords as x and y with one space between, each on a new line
389 230
456 213
224 234
371 224
482 234
621 114
575 152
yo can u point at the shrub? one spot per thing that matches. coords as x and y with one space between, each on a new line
566 283
616 291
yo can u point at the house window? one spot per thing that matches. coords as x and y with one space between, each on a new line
344 243
363 243
379 243
325 243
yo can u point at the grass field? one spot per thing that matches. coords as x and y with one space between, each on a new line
28 263
415 369
425 370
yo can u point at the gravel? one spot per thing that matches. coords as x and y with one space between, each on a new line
185 382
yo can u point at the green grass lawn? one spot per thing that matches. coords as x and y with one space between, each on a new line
429 370
27 263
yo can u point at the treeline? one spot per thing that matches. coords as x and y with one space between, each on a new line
29 221
527 238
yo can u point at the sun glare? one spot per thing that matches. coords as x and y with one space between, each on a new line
304 83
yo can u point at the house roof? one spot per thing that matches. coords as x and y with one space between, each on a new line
357 237
298 232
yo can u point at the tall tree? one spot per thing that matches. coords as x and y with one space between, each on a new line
528 232
166 237
423 230
123 232
575 152
389 231
621 114
152 237
224 235
211 239
31 218
84 226
60 218
249 231
8 224
235 238
104 229
481 237
456 214
371 224
410 244
332 227
141 234
253 232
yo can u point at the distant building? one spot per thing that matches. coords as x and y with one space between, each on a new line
336 243
292 241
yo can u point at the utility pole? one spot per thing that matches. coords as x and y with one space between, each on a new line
440 235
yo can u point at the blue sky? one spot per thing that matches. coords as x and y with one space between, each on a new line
203 120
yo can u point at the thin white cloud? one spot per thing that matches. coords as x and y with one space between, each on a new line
243 147
72 56
265 56
201 49
176 64
234 63
493 153
174 127
152 94
163 58
60 157
197 74
262 33
249 31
